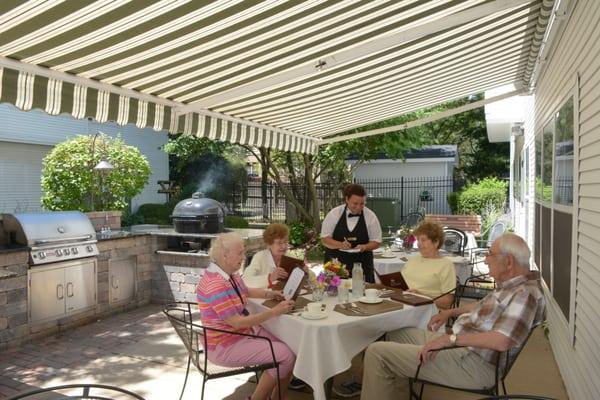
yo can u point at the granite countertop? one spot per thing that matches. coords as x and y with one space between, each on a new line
9 248
162 230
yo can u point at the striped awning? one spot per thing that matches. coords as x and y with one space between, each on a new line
272 73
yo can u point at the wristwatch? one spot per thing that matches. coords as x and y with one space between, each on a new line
453 338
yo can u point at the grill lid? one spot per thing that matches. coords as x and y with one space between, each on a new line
198 205
38 229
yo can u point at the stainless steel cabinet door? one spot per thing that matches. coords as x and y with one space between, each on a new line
122 275
47 294
80 286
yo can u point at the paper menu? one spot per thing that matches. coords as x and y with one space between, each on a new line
294 283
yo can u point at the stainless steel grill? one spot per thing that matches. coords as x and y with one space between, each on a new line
52 236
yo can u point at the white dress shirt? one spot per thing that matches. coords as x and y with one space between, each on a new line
332 218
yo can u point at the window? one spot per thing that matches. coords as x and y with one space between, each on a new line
554 191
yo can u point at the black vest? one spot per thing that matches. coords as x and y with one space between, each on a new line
360 235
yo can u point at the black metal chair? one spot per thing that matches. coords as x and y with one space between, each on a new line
517 397
89 391
194 338
504 362
474 287
413 219
455 241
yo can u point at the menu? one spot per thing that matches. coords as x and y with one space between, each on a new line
294 284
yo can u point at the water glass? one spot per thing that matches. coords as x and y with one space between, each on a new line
343 294
317 293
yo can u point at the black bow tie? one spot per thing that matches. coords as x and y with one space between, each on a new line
350 215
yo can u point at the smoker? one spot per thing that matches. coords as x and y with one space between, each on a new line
199 215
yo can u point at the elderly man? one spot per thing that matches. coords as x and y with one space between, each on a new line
500 321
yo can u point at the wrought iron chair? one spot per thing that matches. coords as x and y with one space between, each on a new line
474 287
455 241
413 219
89 391
517 397
194 338
504 362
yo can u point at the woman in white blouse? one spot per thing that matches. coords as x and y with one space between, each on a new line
264 270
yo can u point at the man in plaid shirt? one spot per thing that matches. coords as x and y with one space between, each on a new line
499 322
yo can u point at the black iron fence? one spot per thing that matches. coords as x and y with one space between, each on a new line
391 199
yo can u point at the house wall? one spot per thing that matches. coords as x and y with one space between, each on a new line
390 169
575 341
25 137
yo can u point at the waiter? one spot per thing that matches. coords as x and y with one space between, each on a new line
351 232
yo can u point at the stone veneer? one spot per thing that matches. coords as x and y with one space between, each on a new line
13 297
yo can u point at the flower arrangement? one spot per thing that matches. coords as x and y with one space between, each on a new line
405 233
331 277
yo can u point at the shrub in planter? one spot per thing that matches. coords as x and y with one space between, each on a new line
474 198
152 213
233 221
298 233
68 177
452 198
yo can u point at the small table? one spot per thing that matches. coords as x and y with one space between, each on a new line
325 347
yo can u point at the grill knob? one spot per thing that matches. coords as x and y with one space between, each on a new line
58 252
89 248
66 252
74 250
42 255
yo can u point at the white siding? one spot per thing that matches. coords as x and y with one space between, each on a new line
397 169
576 53
35 127
20 167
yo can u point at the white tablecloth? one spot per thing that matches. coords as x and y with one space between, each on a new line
325 347
395 264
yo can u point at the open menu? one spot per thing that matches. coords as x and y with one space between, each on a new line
294 283
289 263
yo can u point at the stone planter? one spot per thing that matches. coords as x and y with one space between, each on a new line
100 219
467 223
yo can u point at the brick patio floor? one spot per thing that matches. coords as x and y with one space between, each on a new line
139 351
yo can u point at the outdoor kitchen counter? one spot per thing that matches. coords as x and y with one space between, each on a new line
12 248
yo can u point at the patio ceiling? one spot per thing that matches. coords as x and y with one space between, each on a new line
281 74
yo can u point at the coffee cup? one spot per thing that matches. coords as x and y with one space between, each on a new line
314 307
372 294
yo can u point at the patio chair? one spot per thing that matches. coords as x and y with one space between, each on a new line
504 362
194 338
474 287
455 241
88 391
413 219
517 397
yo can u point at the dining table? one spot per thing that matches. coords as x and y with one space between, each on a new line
325 347
388 261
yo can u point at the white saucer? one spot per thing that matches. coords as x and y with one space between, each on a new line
387 255
307 315
369 301
378 251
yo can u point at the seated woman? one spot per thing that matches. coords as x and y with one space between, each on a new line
429 273
264 270
222 298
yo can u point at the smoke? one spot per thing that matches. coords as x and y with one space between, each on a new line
212 177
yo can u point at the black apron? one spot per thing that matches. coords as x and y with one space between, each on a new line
360 235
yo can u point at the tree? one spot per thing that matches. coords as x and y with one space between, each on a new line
69 181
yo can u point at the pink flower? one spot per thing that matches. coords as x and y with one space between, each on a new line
321 278
335 281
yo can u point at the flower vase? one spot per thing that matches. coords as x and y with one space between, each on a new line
332 291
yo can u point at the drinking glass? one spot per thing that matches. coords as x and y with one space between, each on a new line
317 293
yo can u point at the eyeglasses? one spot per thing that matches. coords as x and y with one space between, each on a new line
490 254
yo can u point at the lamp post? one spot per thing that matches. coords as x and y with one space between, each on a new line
102 167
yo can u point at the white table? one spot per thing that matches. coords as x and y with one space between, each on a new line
325 347
395 264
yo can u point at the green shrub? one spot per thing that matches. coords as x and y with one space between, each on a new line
68 176
152 213
452 198
129 219
474 198
298 233
233 221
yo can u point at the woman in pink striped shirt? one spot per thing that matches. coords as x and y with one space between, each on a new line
222 298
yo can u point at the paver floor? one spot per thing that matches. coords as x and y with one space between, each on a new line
139 351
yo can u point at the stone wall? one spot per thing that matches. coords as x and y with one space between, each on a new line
176 277
467 223
13 298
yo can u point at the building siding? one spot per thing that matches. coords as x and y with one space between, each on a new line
576 53
26 130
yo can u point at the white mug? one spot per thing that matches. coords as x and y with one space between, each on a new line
314 307
372 294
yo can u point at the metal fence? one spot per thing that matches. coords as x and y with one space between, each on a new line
391 199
